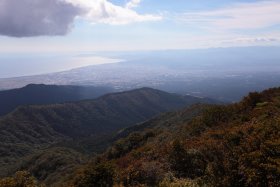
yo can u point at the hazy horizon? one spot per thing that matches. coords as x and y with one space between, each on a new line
19 65
29 64
221 49
39 37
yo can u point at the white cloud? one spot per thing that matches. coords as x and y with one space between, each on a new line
133 4
256 15
28 18
103 11
252 40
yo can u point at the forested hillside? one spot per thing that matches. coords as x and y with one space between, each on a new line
234 145
58 137
201 145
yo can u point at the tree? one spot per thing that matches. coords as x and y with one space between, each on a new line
98 175
20 179
185 163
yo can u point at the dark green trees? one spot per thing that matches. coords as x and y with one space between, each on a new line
20 179
97 175
186 164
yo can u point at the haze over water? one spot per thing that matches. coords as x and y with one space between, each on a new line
16 65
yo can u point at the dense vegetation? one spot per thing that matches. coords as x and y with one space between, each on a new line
202 145
21 178
234 145
52 141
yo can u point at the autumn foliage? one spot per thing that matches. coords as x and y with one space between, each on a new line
234 145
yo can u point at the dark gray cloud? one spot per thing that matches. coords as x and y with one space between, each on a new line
26 18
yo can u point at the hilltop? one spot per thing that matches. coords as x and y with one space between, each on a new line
39 94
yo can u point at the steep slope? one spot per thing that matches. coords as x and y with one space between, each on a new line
47 94
81 124
234 145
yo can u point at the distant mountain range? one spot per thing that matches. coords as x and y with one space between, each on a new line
39 94
226 74
78 127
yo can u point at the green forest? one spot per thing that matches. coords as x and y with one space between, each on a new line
202 145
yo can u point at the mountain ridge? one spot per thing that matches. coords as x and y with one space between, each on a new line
40 94
85 125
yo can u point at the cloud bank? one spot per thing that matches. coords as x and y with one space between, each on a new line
36 17
103 11
27 18
256 15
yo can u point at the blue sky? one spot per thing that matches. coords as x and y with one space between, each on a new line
119 25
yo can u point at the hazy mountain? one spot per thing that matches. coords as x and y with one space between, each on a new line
226 74
47 94
80 125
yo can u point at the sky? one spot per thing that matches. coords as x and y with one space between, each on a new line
44 26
